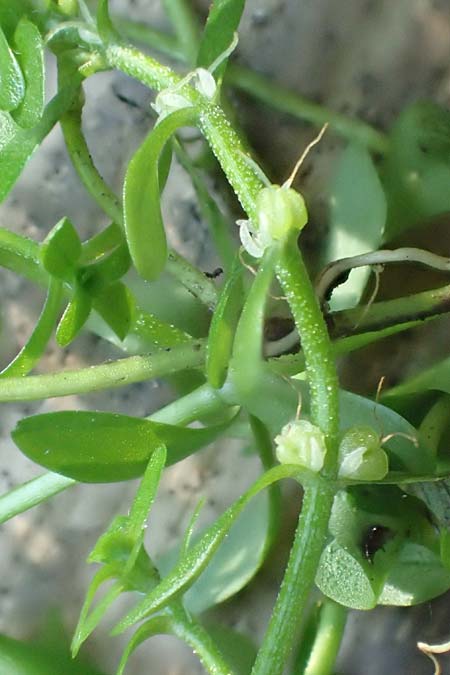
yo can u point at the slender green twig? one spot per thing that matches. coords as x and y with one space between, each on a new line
270 93
105 376
32 493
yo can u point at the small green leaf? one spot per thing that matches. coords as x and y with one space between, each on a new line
221 25
75 316
343 578
223 326
357 219
61 250
100 244
12 87
105 271
116 306
143 223
30 54
97 447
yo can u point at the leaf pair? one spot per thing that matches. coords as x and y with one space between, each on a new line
95 284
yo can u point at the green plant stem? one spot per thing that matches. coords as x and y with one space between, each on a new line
329 629
192 279
316 347
312 527
419 306
270 93
300 573
82 161
223 140
105 376
435 423
185 24
32 493
189 408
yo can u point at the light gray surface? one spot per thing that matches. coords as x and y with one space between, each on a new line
366 57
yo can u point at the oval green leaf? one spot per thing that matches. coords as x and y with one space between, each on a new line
143 222
98 447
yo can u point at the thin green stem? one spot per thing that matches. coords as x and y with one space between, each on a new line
300 573
222 138
312 527
84 166
189 408
105 376
319 658
435 423
32 493
270 93
316 346
192 279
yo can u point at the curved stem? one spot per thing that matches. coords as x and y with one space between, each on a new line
270 93
300 573
32 493
107 375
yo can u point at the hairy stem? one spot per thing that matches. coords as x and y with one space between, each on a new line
105 376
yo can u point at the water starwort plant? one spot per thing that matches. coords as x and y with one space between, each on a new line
374 519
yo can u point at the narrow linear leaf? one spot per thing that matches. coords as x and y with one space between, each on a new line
223 21
97 447
223 326
155 626
12 88
436 378
30 55
33 350
189 568
143 223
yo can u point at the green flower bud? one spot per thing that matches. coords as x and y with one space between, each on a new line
361 456
280 210
302 443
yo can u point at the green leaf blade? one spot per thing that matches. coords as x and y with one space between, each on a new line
143 222
221 25
97 447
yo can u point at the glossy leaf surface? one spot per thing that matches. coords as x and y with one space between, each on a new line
97 447
30 54
12 88
143 223
61 250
